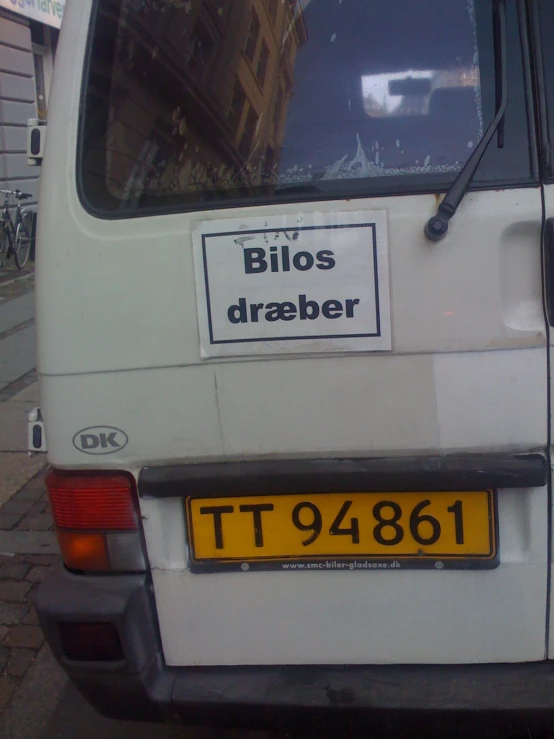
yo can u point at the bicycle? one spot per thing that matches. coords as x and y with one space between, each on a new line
15 233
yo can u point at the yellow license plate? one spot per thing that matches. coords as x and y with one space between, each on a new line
343 531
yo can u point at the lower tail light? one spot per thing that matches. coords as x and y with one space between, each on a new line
91 642
97 520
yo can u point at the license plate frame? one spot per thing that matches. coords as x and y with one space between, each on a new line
334 562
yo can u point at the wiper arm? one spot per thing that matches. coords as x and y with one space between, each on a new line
436 227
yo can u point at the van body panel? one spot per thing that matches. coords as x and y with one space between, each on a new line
119 348
154 408
549 213
455 296
250 618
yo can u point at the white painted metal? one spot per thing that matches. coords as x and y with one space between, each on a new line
119 346
351 618
343 264
549 213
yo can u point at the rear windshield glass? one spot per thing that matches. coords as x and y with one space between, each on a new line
207 101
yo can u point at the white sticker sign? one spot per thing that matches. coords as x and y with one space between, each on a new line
293 284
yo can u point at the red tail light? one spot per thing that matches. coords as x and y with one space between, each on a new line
86 502
96 520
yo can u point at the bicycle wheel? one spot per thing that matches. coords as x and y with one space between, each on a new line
3 245
7 237
22 245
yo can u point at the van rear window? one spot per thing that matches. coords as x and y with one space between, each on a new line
192 102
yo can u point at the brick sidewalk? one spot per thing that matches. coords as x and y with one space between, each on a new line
20 576
12 285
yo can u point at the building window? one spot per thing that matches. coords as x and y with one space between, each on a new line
261 70
200 49
253 35
247 138
237 106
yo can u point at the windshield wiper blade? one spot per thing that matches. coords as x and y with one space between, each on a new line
436 227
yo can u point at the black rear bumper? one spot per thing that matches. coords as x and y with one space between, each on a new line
142 687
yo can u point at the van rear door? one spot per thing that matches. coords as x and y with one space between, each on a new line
339 428
541 16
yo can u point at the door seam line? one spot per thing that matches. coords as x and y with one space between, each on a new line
548 435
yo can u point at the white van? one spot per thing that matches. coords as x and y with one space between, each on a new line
293 297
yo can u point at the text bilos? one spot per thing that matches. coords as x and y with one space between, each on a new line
304 308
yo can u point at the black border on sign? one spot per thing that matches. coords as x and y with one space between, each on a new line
488 561
293 338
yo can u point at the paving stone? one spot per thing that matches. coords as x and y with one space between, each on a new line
13 592
13 426
42 522
39 477
17 506
29 395
37 508
32 594
38 574
4 656
10 390
18 354
13 571
29 493
20 661
38 481
30 637
7 686
15 312
17 469
3 632
8 521
12 613
42 559
28 542
31 619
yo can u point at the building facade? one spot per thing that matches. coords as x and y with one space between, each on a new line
28 39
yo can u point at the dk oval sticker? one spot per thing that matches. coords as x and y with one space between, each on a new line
100 440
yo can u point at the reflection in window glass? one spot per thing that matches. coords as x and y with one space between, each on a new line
200 48
253 33
261 70
237 106
333 91
391 89
272 8
249 132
